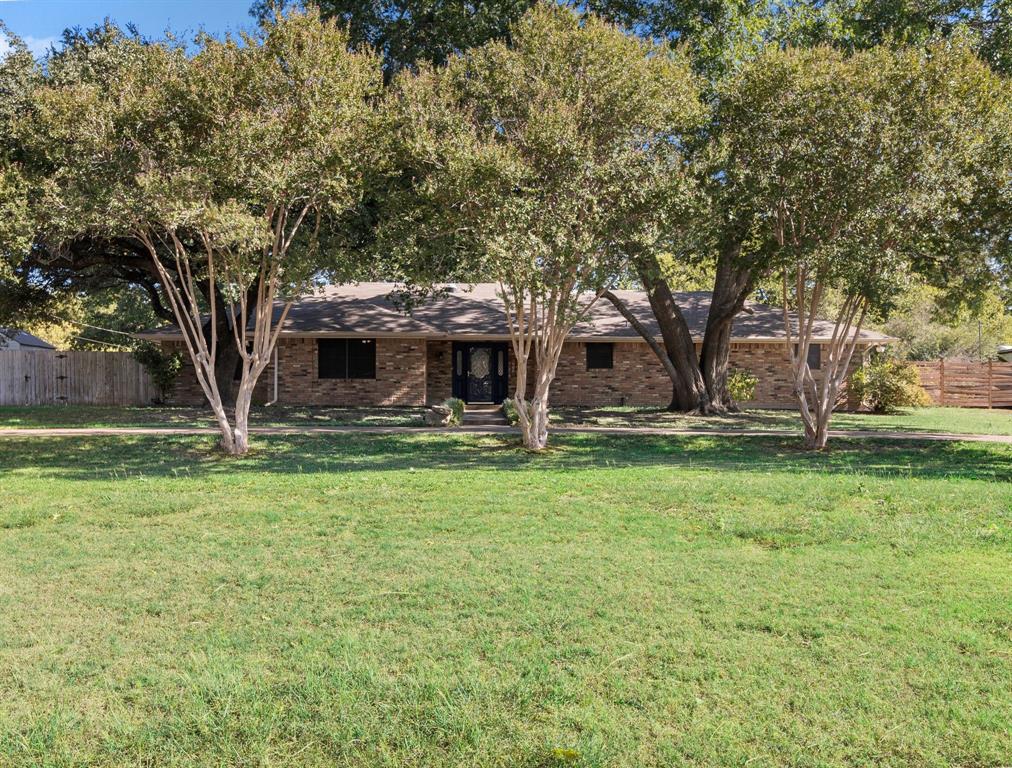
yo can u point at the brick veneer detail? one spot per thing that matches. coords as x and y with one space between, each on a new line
415 371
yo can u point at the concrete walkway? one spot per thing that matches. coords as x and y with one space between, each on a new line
492 430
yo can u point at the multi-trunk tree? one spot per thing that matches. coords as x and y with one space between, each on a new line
45 279
859 168
542 165
724 234
219 168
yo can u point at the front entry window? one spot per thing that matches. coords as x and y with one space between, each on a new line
479 362
479 379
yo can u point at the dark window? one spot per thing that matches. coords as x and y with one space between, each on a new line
814 356
346 358
599 356
333 358
361 358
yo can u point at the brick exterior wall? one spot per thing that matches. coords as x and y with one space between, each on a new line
416 372
400 378
636 378
439 364
769 362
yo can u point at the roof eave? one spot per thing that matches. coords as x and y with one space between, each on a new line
163 336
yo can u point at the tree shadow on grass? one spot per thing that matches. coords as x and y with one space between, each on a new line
111 457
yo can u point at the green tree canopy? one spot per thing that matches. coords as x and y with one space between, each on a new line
544 163
856 168
19 76
723 34
411 32
220 167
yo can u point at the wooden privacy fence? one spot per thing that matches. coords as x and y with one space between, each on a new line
73 378
967 385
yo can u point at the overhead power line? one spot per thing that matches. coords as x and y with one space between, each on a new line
103 343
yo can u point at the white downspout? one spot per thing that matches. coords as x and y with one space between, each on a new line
275 398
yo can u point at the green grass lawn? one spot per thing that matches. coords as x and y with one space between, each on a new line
37 416
449 600
964 421
955 420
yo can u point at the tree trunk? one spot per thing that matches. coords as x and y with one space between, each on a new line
227 435
534 412
714 359
534 429
815 440
679 394
699 384
678 354
243 399
731 287
226 356
225 361
688 389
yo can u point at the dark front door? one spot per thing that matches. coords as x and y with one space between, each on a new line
480 371
479 375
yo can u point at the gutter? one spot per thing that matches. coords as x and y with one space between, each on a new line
274 399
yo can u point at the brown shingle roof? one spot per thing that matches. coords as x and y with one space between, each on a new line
373 309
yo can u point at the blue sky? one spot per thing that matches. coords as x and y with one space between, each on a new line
40 22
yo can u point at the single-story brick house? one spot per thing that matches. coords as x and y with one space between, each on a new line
353 345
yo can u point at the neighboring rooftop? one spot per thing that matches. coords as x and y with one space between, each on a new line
22 339
477 311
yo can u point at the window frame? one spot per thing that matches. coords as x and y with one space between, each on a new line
369 371
593 347
341 368
816 350
814 355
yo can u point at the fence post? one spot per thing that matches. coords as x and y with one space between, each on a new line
990 384
941 381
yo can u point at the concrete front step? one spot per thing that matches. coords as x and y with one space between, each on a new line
487 421
483 415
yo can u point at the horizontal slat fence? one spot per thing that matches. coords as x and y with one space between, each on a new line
967 385
73 378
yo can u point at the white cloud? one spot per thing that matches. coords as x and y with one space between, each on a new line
39 46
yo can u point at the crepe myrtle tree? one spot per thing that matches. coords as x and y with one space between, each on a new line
542 165
19 75
221 166
725 235
860 167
